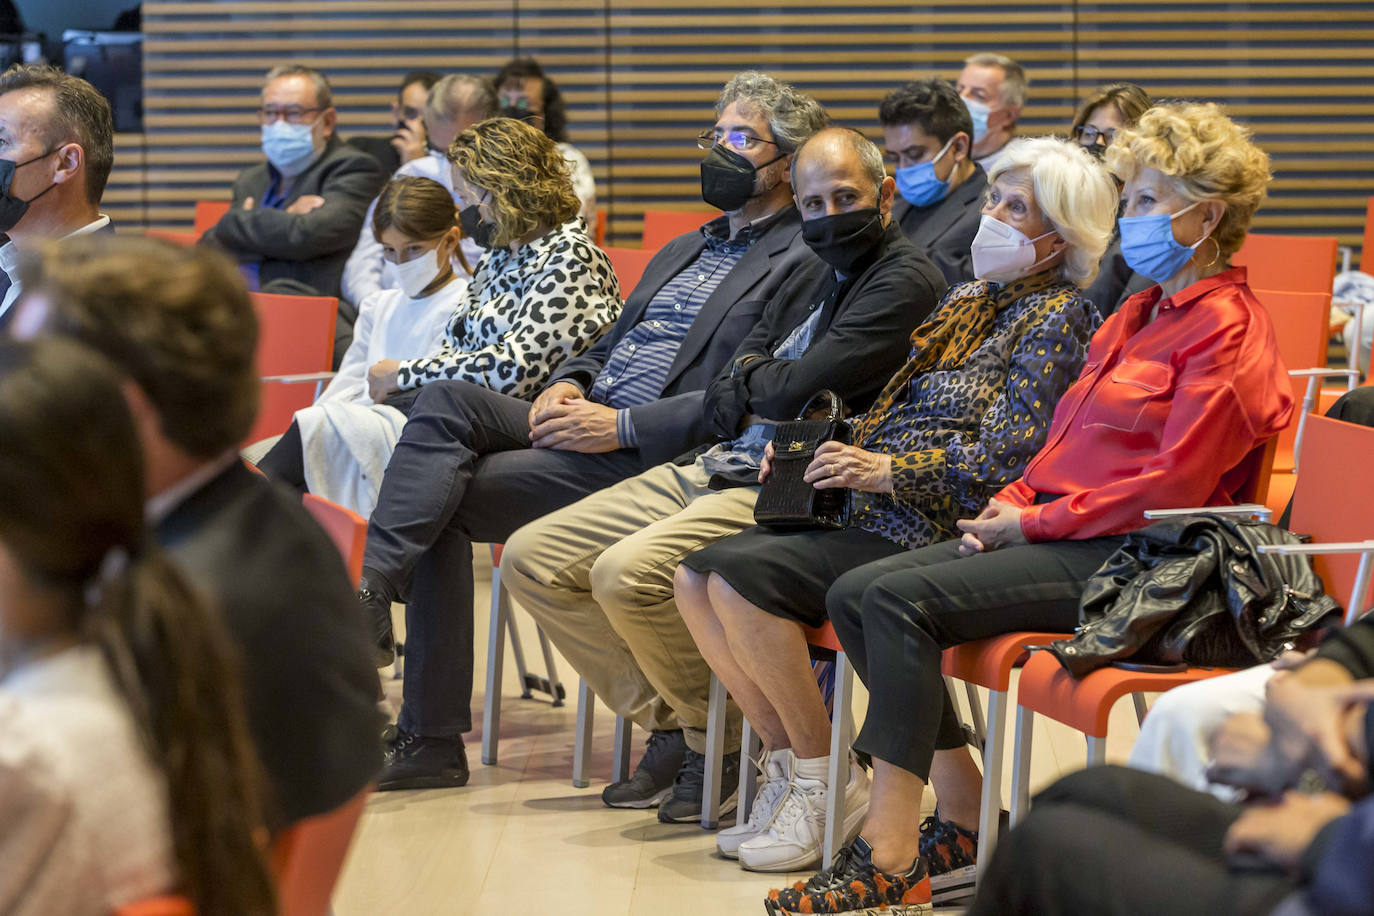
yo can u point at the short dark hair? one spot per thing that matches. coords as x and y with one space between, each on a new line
426 78
555 112
177 320
80 115
931 104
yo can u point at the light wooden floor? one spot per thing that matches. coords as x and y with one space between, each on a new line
520 839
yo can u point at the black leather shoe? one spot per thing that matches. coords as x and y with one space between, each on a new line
416 762
377 607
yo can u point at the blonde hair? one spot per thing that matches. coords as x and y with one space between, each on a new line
522 169
1074 192
1206 155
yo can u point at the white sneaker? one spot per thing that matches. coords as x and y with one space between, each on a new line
795 837
777 772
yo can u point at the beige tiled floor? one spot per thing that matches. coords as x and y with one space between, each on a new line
520 839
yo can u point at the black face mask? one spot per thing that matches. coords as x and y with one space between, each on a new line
518 112
727 178
476 228
843 240
1098 151
12 209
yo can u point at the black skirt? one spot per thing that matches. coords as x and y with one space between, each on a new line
787 573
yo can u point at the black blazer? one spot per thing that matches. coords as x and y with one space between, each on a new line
673 424
304 650
379 148
310 248
862 337
945 230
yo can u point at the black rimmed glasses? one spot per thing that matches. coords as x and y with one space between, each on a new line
738 140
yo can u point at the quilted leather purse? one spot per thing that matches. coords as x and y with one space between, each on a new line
786 502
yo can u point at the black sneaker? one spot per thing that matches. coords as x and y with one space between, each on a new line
653 777
854 886
683 806
951 853
416 762
377 607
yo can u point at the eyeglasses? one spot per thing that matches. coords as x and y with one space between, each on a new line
738 140
1088 135
294 114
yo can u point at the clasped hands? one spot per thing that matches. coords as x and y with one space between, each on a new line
562 418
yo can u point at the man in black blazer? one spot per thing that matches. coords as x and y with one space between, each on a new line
928 135
294 218
407 139
179 323
472 465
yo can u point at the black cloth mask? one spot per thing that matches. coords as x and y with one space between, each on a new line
844 240
518 112
476 228
12 209
727 178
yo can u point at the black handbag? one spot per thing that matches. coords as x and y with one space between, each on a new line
786 502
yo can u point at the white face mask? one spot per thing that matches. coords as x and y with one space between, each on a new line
1002 253
418 273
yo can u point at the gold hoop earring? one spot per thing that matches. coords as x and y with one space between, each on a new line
1216 247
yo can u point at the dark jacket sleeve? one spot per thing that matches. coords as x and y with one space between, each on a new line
1351 647
1337 865
348 182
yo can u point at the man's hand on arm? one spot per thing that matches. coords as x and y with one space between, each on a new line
1280 832
555 394
567 421
305 204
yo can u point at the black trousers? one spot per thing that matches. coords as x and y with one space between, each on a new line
1119 842
895 616
462 471
285 461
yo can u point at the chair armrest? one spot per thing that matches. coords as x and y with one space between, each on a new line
301 378
1255 510
1322 372
1354 607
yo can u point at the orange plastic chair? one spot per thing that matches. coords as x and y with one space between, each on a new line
599 230
1293 263
1300 321
662 226
157 906
629 264
346 528
208 212
295 352
309 855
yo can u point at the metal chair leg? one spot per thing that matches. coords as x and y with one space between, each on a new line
1141 708
555 686
620 760
750 748
582 744
496 658
715 755
1097 751
841 724
994 754
1021 763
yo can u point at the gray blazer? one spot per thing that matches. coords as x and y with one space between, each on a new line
945 230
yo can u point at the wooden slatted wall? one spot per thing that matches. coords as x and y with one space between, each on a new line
640 77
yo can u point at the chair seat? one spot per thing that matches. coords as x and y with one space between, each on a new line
1086 704
824 637
989 662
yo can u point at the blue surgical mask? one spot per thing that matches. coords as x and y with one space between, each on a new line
979 112
289 147
917 183
1149 246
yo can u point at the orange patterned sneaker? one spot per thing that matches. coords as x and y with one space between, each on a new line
853 887
951 855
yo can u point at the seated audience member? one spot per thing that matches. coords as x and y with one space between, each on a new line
598 575
959 420
57 147
1180 385
295 217
994 88
927 132
1104 113
125 744
456 103
339 447
475 465
179 323
525 92
408 140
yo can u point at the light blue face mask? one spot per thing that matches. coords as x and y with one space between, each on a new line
289 147
979 113
1149 246
917 183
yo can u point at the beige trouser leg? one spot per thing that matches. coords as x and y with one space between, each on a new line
598 576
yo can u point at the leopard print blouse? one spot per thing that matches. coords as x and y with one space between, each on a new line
523 314
962 434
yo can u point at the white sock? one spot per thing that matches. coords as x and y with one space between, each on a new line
815 768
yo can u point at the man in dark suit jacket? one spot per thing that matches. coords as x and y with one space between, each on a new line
472 465
245 543
407 140
928 135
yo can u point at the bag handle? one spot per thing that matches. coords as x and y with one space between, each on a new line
836 405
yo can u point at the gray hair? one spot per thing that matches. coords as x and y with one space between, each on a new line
792 116
870 157
324 95
459 92
1075 193
1015 85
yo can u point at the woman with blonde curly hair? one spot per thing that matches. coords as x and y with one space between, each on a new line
1180 388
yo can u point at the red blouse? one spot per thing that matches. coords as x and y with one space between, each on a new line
1162 414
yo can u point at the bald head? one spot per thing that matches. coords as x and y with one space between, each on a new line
839 169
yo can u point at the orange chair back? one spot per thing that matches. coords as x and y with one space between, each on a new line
1301 328
1367 254
599 231
157 906
629 264
1293 263
662 226
309 855
1333 500
295 335
208 212
346 528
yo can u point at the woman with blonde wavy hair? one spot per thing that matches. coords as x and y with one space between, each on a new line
1181 386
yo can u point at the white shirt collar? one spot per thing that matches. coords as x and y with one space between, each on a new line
100 222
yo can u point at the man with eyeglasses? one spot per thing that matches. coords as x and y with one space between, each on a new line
407 140
294 218
473 465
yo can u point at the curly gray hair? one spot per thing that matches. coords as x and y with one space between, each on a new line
792 116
